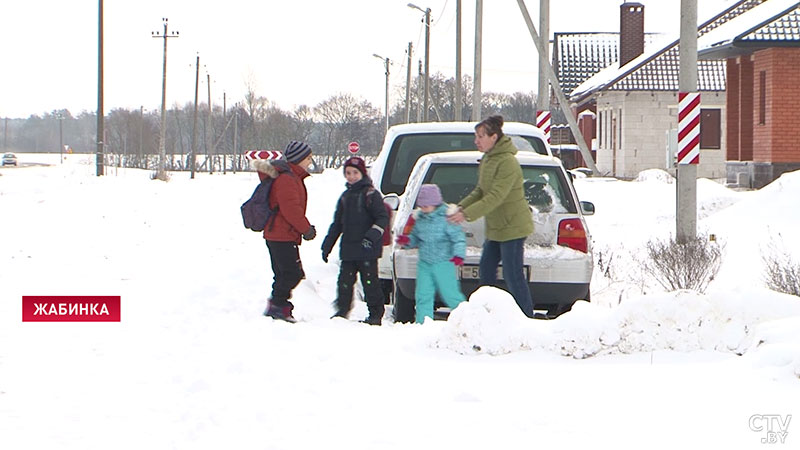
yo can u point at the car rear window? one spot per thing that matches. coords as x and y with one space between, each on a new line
407 149
545 186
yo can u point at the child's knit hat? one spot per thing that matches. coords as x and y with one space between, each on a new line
429 195
296 151
358 163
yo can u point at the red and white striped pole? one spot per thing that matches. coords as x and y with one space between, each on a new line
543 122
688 128
262 154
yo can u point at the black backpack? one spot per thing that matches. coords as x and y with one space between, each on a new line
256 211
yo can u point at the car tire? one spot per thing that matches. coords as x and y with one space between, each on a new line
404 307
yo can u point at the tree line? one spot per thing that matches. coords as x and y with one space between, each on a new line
223 133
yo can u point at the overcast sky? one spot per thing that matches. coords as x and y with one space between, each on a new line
295 52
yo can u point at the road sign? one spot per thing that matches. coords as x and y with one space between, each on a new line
262 154
353 147
688 128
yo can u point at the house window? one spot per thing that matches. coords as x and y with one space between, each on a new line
762 98
710 128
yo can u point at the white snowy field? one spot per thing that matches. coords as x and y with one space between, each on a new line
194 365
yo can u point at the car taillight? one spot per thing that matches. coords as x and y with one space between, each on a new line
572 234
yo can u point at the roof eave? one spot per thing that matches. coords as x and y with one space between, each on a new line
740 48
721 52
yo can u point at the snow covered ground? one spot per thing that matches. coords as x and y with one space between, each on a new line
194 365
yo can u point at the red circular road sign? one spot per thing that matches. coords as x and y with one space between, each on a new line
353 147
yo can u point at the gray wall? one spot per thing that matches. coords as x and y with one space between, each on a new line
640 121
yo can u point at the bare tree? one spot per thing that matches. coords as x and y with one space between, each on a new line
344 118
521 107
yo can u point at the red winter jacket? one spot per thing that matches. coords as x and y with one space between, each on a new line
289 194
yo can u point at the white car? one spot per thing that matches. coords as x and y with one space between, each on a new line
9 159
404 144
558 255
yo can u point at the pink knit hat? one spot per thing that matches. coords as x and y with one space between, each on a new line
429 195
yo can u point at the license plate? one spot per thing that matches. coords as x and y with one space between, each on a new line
473 273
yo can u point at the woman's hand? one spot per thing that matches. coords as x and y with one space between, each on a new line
457 217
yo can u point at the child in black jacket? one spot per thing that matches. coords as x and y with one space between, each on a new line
360 220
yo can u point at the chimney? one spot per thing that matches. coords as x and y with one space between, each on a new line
631 31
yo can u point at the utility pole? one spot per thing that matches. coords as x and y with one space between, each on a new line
100 114
235 135
141 132
458 107
194 120
419 94
427 61
162 146
408 86
686 186
5 135
61 136
543 99
476 91
562 99
427 12
224 133
386 63
209 131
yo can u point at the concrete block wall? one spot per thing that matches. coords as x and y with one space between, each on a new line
645 118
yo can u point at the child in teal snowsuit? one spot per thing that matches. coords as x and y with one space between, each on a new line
442 246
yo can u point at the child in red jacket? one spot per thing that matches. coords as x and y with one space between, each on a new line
289 196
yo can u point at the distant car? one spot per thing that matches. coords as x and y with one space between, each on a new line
558 255
9 159
581 172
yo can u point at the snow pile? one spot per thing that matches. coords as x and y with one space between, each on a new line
777 344
787 183
655 175
489 323
713 197
682 321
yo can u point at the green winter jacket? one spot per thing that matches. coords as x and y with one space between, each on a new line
499 195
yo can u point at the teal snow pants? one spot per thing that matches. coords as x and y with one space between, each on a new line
432 278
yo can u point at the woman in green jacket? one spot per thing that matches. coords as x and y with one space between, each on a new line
500 197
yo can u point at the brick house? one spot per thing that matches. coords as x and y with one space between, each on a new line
761 50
